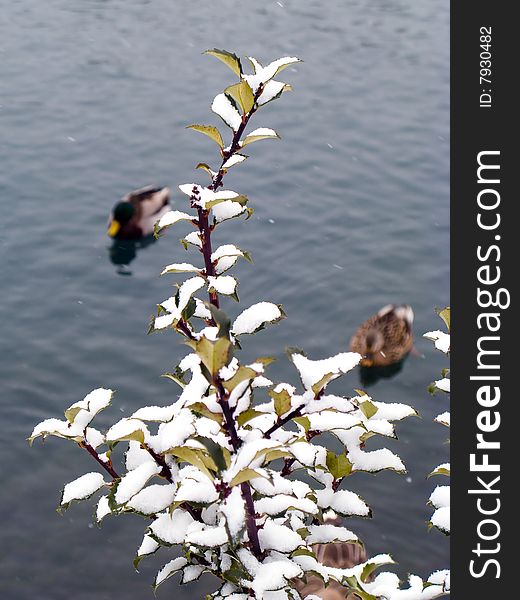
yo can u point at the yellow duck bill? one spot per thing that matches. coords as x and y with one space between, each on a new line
114 228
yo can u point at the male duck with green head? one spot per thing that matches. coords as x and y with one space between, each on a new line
135 216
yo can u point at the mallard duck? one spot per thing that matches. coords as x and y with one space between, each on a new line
342 555
135 215
386 337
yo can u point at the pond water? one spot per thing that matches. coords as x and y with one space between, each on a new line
351 212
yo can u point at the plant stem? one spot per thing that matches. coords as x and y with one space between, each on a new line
106 465
205 230
203 214
166 473
245 488
281 422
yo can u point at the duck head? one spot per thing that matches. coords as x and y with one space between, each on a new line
122 214
374 343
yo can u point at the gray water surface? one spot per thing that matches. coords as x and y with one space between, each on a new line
351 212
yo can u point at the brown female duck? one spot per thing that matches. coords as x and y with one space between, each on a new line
342 555
386 337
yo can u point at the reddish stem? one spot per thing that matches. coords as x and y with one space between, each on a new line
106 465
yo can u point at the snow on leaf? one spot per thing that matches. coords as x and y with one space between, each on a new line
180 268
191 573
277 537
271 91
280 503
81 488
176 305
135 456
173 433
94 437
229 250
256 317
264 74
170 569
391 411
225 263
443 469
148 546
443 419
208 536
262 133
224 108
440 496
225 284
443 384
127 429
78 416
194 238
233 160
343 502
228 210
441 339
102 509
152 499
134 481
170 218
198 491
273 574
233 509
158 414
171 528
326 534
317 373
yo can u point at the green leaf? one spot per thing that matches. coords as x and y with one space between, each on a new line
444 314
211 132
206 168
304 422
367 571
265 360
200 408
338 465
440 471
249 139
247 415
221 319
303 532
193 457
368 409
275 455
71 413
319 385
242 200
242 374
230 60
214 355
432 388
215 451
177 376
242 94
282 401
243 476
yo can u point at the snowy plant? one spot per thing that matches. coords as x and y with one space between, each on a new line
233 478
440 498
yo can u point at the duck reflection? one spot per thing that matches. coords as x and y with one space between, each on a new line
370 375
123 252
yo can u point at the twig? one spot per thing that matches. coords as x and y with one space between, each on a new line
166 473
106 465
281 422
